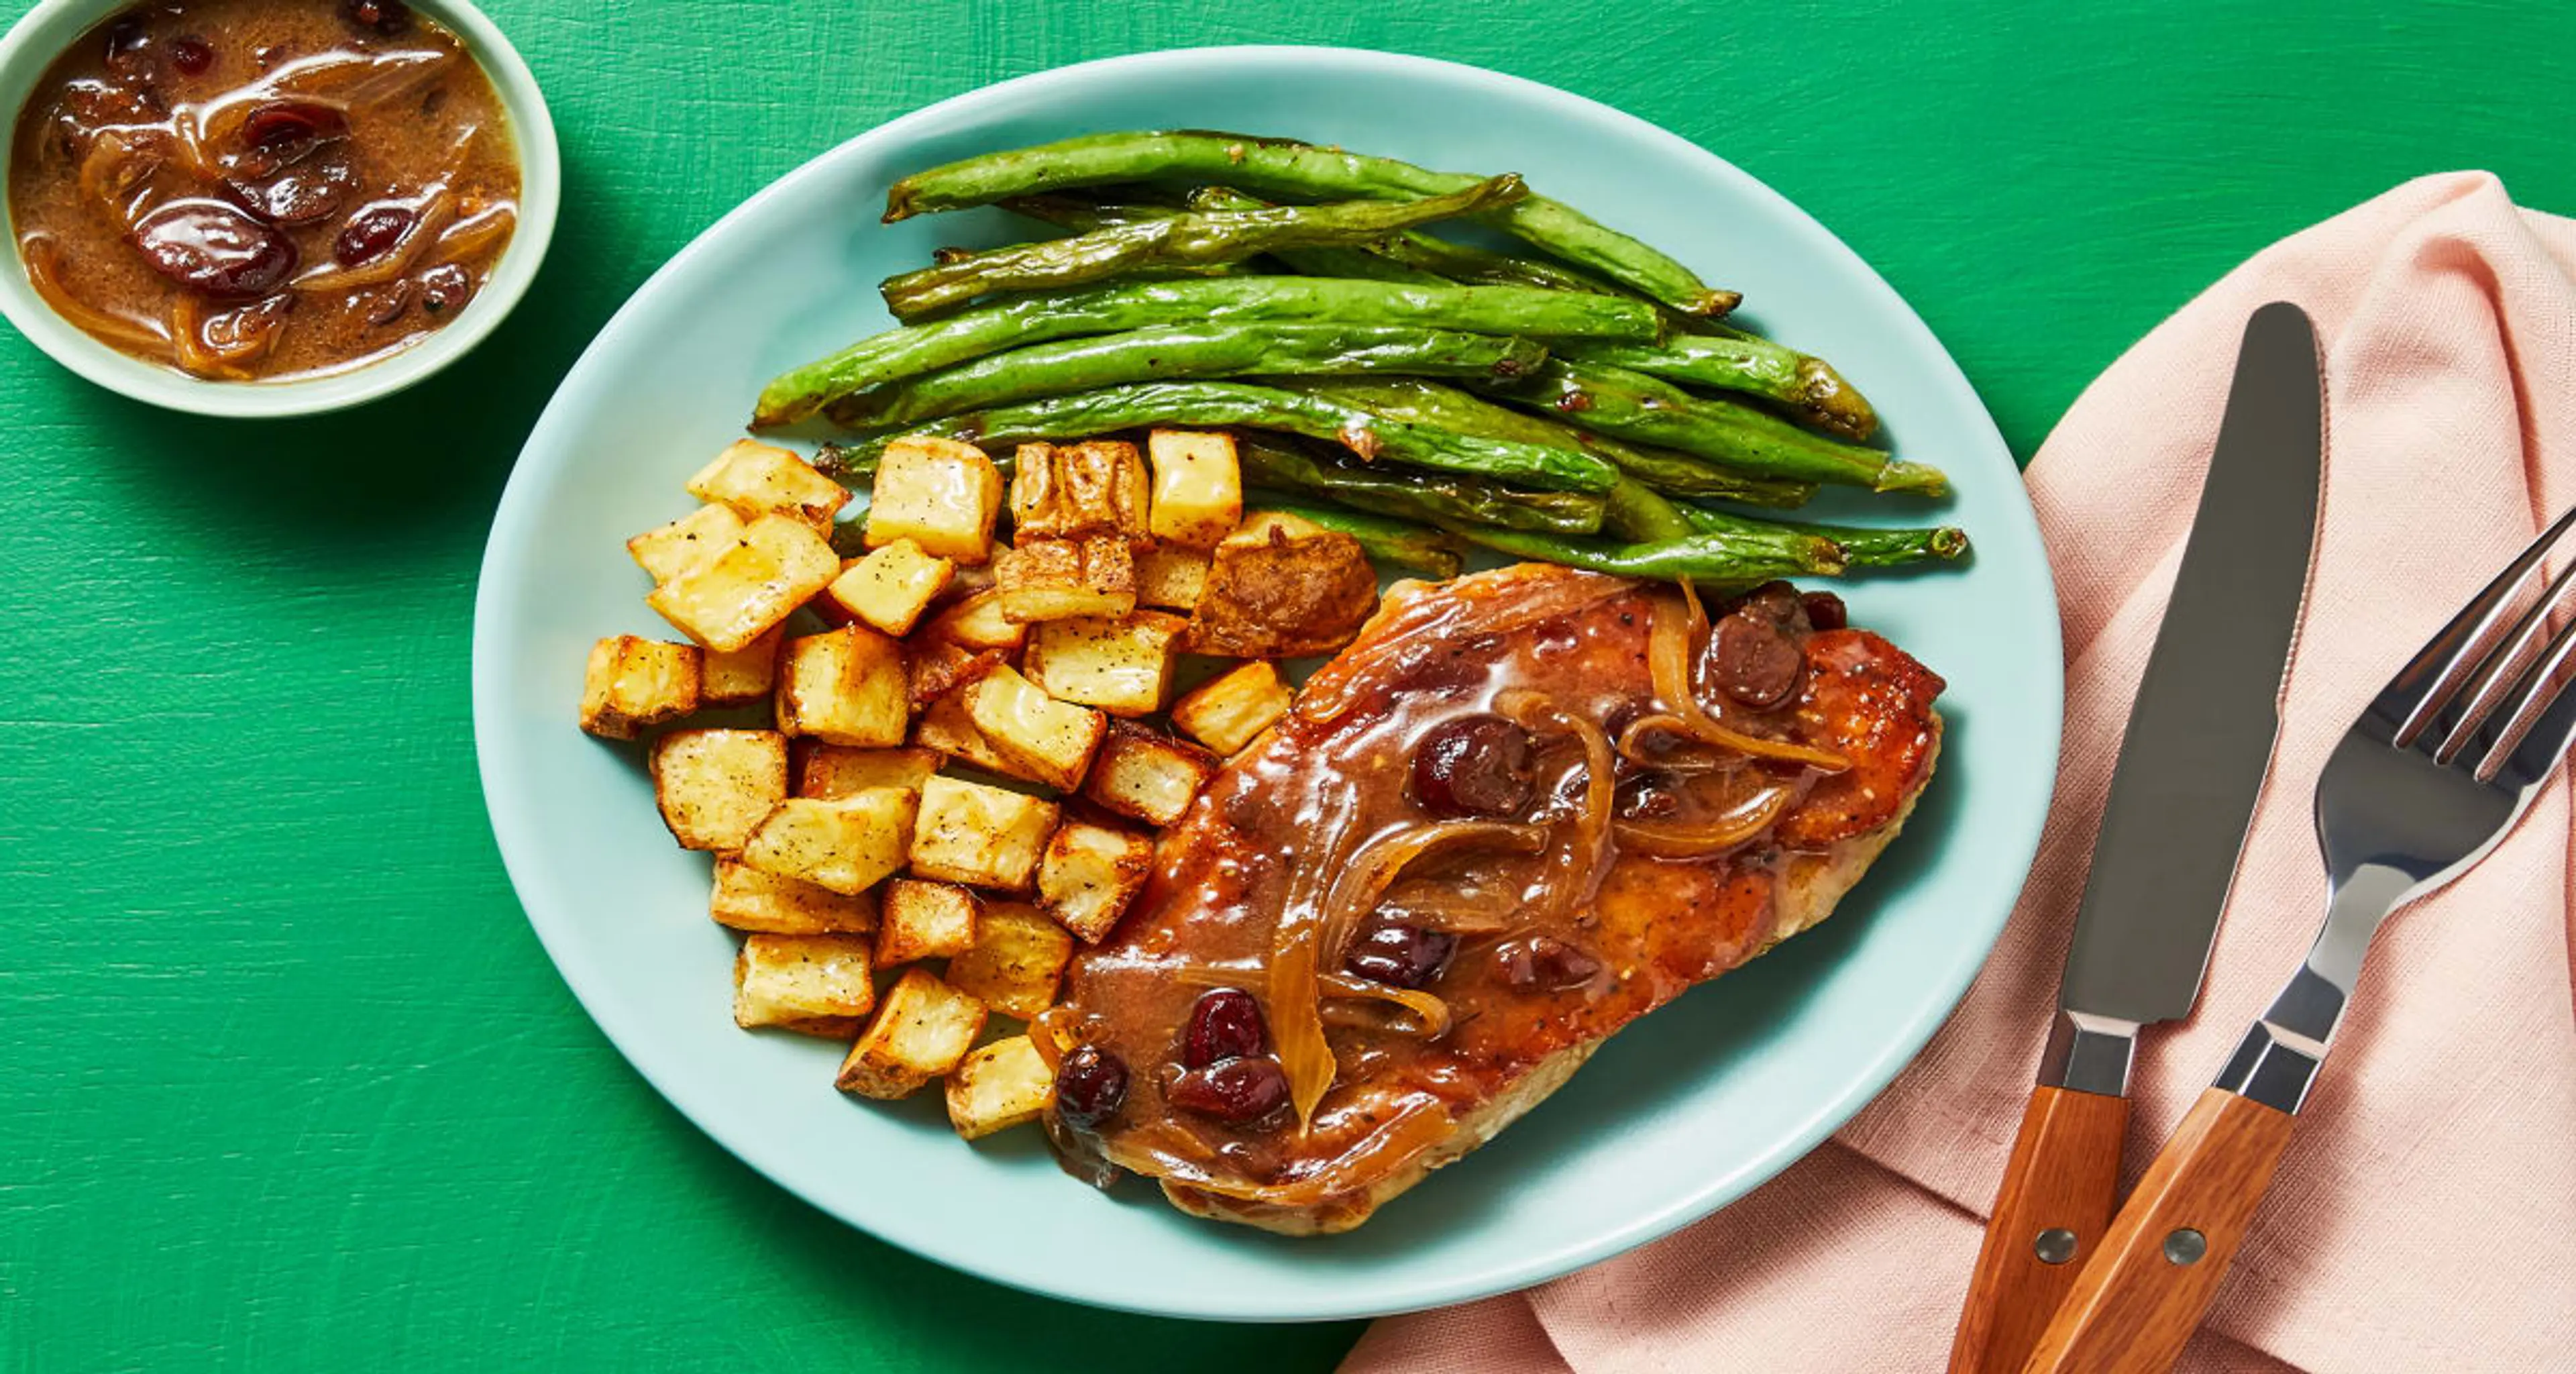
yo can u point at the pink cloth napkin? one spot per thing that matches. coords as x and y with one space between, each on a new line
2425 1216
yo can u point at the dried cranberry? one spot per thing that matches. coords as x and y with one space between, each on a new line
1401 956
1754 659
284 131
1543 961
445 288
1235 1090
193 56
1089 1086
307 193
214 249
1647 796
382 17
1477 765
1825 610
1225 1024
372 232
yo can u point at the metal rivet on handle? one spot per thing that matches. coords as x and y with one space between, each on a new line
2056 1245
2185 1246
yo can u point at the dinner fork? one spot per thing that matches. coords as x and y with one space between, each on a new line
2423 786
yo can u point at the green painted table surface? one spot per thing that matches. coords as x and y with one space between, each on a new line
287 1084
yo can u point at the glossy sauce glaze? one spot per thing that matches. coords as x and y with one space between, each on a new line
1458 745
245 189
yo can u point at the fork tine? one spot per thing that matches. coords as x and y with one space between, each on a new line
2536 734
2499 676
2453 654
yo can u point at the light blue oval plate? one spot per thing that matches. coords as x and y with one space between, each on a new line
1675 1118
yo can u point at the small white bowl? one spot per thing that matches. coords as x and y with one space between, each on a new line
53 26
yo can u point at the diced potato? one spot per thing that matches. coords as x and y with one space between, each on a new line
968 832
977 623
1018 959
714 785
889 588
847 686
946 728
758 479
1224 713
631 683
1044 739
747 899
833 770
845 844
1004 1084
1198 486
1078 491
1170 576
924 920
936 668
920 1032
938 493
1150 776
1056 579
1122 666
745 675
745 591
1089 874
686 542
1282 587
817 984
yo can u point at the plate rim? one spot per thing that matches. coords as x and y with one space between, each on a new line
1521 1269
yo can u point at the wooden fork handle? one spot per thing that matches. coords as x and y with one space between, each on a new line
2142 1294
2049 1217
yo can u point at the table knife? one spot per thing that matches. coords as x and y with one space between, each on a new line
2199 739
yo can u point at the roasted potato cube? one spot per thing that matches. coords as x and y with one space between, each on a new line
683 544
1171 577
714 785
1088 875
1225 712
889 588
745 591
833 770
977 623
1002 1085
920 1032
1198 486
1018 958
946 728
845 844
1078 491
968 832
1147 775
1122 666
847 686
1056 579
938 493
743 676
631 683
758 479
817 984
1282 587
935 668
1046 740
747 899
924 920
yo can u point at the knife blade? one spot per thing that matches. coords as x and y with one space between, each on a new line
2192 760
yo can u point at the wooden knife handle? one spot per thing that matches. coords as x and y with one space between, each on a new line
2049 1217
2143 1293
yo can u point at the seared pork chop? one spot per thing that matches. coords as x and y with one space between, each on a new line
1521 810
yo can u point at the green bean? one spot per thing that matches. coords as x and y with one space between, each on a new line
1862 546
1637 408
1419 495
1806 386
1173 352
1375 438
1285 168
1397 543
912 350
1428 403
1182 240
1717 563
1635 511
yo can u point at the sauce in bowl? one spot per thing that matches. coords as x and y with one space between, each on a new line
263 189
